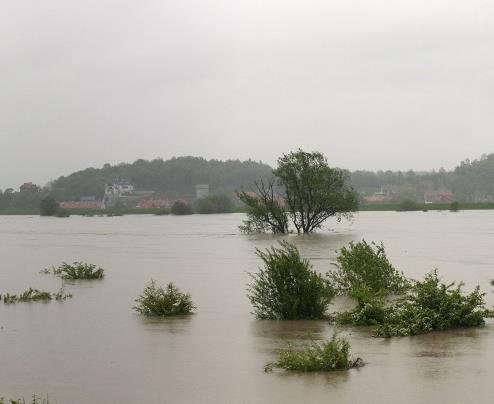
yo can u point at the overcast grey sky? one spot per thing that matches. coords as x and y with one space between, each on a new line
374 84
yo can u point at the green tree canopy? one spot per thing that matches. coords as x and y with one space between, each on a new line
305 192
48 206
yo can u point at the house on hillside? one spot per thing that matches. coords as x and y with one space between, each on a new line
29 186
118 188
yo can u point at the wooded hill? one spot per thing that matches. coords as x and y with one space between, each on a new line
176 177
471 181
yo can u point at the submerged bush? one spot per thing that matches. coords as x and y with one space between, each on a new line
454 206
33 295
324 356
220 203
48 206
364 268
433 306
162 211
409 205
168 301
287 288
78 270
181 208
61 212
370 310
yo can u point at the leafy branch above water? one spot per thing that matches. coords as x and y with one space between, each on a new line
76 270
34 295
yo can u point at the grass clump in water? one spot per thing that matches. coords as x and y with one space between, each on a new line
78 270
364 269
431 305
330 355
33 295
287 288
34 400
158 301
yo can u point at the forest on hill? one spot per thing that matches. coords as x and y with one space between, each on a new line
173 178
470 181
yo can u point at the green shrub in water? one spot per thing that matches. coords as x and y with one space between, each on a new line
287 288
162 211
409 205
431 305
370 310
61 212
181 208
365 268
33 295
78 270
317 356
168 301
454 206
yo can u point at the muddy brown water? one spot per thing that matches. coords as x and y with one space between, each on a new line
95 349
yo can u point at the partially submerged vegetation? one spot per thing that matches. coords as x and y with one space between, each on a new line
34 295
409 205
220 203
181 208
431 305
364 268
34 400
162 211
77 270
158 301
365 274
304 191
48 206
287 288
326 356
454 206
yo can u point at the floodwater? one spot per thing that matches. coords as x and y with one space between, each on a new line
95 349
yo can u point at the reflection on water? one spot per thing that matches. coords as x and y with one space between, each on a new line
95 349
174 325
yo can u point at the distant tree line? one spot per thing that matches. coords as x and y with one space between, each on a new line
471 181
22 199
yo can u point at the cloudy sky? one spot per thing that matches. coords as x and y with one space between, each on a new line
373 84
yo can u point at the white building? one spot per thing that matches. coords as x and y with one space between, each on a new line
118 189
117 192
202 190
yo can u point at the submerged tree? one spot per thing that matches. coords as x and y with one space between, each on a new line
305 192
48 206
266 210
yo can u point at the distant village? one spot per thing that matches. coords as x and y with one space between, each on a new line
389 195
122 193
